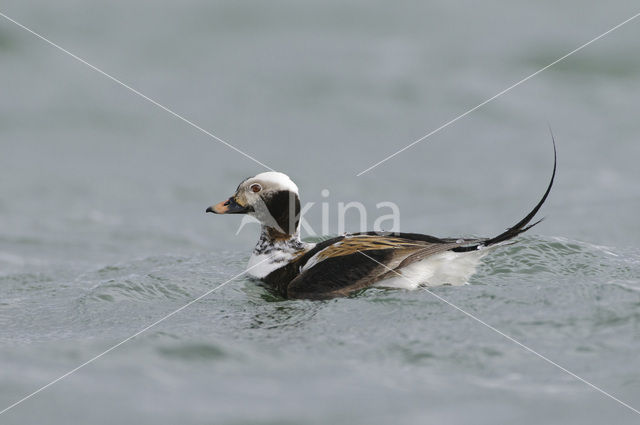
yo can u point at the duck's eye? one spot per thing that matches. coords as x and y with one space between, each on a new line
255 188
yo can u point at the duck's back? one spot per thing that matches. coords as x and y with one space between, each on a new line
342 265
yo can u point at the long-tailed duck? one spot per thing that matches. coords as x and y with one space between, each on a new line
344 264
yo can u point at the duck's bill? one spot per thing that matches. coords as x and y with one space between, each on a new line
230 206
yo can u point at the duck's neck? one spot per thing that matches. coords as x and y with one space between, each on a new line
274 250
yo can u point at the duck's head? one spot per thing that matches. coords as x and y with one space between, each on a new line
271 197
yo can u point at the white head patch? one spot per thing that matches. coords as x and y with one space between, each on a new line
276 181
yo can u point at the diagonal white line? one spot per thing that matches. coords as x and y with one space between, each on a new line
91 360
147 98
448 123
531 350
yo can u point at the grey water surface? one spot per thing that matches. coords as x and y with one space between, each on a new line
103 230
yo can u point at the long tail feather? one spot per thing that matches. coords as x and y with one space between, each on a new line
523 225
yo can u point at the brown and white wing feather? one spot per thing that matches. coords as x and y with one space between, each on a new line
340 268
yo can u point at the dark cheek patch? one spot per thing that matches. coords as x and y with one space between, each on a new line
281 205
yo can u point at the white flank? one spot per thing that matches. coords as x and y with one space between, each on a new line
447 268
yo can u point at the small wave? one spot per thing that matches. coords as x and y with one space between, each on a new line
138 287
561 257
588 287
26 280
158 278
192 351
288 314
148 279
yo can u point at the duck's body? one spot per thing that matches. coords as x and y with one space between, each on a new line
344 264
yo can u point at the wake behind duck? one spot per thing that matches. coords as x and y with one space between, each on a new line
344 264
